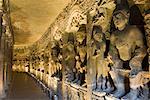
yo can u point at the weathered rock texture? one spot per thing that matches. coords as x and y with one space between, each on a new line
95 49
6 47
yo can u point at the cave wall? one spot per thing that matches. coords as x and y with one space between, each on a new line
6 47
68 67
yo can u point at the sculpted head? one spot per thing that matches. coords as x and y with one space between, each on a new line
71 38
97 34
80 35
120 19
121 15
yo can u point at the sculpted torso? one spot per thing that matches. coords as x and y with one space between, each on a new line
126 41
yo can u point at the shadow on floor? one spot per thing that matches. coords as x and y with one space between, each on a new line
24 87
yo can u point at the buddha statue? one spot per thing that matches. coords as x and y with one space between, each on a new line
126 45
139 89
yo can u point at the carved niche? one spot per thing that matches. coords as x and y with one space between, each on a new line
76 18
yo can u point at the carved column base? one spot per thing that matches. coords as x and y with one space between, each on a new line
2 94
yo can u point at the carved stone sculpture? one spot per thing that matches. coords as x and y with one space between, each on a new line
81 54
77 18
53 68
98 21
49 66
101 14
55 51
139 87
126 45
68 54
139 84
78 45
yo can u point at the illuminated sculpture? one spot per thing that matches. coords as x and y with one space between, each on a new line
81 55
126 45
99 20
68 54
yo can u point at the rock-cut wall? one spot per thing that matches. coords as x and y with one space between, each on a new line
94 50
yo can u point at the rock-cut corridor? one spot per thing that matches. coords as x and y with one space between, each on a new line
75 50
24 87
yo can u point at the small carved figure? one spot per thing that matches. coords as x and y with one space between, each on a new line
76 69
55 51
68 54
99 20
101 63
53 68
80 72
81 52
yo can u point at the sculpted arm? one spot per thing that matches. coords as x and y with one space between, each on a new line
139 53
112 49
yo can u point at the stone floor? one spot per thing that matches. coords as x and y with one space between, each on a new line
24 87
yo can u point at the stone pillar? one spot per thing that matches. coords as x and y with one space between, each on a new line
2 91
5 47
6 43
89 59
2 68
5 63
9 60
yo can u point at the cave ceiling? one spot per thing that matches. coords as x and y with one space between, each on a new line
31 18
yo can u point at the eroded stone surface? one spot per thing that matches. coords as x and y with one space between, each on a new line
92 58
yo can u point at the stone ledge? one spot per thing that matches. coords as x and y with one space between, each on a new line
77 88
99 94
111 98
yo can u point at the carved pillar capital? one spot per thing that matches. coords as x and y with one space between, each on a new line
1 5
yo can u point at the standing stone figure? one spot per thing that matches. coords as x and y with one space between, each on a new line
98 25
126 45
68 54
139 84
96 47
81 55
56 57
99 62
